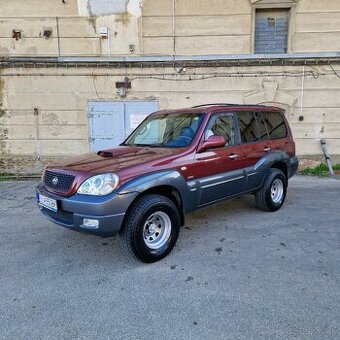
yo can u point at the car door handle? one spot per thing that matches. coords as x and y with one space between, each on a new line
266 149
233 156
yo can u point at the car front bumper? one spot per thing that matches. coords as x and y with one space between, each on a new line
108 210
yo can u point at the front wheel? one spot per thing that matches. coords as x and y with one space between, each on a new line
273 193
151 228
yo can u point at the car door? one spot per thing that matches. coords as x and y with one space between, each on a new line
220 171
255 144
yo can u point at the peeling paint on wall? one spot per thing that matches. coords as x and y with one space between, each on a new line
134 7
54 125
2 114
83 8
107 7
123 18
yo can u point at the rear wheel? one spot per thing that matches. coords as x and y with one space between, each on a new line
273 193
151 229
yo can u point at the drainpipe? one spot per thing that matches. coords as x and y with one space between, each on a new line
174 27
109 41
302 94
58 35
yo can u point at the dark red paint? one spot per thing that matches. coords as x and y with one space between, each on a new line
131 162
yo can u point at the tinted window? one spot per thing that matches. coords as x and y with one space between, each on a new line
261 126
275 125
222 125
248 127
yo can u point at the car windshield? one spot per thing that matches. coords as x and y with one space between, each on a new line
168 130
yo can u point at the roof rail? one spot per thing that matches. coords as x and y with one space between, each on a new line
225 104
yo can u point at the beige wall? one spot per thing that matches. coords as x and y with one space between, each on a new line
226 27
200 27
38 8
61 97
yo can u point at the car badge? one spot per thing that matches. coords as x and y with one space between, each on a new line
55 180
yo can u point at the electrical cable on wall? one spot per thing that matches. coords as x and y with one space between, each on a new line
181 77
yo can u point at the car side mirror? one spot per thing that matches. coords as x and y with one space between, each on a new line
211 143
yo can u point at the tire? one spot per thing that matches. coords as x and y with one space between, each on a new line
151 228
272 195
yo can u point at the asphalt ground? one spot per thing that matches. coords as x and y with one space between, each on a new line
236 273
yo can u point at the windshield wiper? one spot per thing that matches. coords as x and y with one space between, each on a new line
159 145
140 144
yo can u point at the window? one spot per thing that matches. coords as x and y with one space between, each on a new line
248 127
222 125
275 125
166 130
271 31
261 126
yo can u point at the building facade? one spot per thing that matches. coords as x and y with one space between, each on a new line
77 76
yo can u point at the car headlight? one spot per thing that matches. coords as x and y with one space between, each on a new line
99 185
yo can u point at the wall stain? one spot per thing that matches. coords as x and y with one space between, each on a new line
53 122
123 18
93 23
3 135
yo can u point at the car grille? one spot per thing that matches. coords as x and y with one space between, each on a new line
64 217
58 181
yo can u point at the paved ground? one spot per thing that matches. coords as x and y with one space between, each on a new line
237 273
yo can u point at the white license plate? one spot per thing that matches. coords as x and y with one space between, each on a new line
47 202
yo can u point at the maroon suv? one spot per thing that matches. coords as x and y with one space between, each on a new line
176 161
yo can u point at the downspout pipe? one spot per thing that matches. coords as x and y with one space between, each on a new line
301 117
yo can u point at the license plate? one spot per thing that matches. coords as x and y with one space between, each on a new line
47 202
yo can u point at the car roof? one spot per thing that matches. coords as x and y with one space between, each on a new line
211 108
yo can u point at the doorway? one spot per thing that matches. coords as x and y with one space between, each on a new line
110 123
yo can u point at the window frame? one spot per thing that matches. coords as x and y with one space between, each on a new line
235 125
290 6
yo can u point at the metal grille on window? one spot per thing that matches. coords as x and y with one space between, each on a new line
271 31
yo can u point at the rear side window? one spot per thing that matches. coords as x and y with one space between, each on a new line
261 126
275 125
248 127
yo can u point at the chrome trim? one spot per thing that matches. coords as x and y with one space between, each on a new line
222 182
122 214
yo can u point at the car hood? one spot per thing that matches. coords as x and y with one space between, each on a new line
114 160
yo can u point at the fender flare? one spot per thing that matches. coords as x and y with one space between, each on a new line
270 159
171 178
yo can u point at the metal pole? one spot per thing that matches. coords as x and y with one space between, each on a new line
58 35
327 157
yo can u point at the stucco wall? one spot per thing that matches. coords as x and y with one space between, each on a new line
158 27
58 127
75 28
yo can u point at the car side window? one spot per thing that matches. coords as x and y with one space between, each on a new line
275 125
261 126
222 125
248 127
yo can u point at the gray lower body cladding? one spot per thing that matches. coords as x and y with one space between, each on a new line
293 166
109 211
